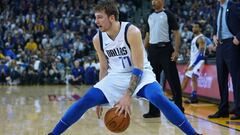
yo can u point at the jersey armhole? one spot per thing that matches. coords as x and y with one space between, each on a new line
125 34
101 40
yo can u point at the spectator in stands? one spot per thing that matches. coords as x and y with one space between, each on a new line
66 56
77 74
54 74
79 47
14 73
186 36
31 46
61 68
8 51
91 71
58 38
1 55
4 72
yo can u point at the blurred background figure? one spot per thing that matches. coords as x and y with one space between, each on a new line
77 74
197 56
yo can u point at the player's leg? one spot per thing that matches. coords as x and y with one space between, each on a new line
185 82
194 89
193 75
153 92
92 98
193 97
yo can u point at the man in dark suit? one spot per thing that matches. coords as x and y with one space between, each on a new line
227 39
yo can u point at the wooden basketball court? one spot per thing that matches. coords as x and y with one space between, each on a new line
34 110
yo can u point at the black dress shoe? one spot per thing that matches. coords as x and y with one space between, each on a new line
235 117
50 134
198 134
191 101
218 115
232 111
151 115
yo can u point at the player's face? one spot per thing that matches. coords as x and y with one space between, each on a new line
157 4
103 21
195 28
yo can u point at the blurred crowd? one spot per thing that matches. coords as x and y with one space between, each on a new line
50 41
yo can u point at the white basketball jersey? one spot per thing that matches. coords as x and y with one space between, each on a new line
194 49
118 52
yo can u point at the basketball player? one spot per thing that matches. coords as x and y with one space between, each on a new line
195 63
124 73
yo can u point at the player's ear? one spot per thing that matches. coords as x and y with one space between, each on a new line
112 18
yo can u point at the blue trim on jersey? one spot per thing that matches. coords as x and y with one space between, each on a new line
125 34
101 40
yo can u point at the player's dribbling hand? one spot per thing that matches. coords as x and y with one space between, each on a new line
123 105
99 111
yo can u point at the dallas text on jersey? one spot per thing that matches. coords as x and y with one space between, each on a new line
117 52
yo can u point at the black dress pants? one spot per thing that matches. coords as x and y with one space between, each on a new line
160 59
228 61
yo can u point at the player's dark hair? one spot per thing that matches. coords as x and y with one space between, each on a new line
199 24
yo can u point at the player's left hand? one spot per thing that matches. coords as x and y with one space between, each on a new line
236 41
123 105
174 56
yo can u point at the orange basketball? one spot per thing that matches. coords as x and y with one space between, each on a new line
115 123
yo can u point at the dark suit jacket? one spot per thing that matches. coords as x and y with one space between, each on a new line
232 18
